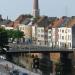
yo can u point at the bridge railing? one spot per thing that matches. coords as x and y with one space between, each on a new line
35 48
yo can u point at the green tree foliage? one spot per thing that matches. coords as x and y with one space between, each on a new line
6 34
15 34
3 37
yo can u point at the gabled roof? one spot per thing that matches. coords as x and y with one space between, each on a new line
57 23
65 22
22 17
26 21
5 22
71 22
43 21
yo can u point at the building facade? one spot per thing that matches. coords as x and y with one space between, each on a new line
65 37
50 37
26 29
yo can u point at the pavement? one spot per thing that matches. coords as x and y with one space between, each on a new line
6 66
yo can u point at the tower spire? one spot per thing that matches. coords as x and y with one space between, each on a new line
35 10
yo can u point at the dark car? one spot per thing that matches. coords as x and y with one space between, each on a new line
14 72
25 74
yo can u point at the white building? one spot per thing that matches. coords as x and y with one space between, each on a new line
62 37
40 36
54 36
65 37
7 28
34 33
59 36
50 37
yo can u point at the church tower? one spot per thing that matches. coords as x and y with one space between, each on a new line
35 10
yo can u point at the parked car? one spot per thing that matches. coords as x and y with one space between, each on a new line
17 72
14 72
21 73
25 74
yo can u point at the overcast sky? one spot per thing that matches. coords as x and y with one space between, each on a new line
13 8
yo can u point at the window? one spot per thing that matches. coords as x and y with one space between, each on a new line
42 35
38 40
46 42
69 37
42 30
70 44
62 31
49 31
38 35
62 44
62 37
38 30
49 36
65 31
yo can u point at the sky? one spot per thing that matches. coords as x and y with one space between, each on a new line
52 8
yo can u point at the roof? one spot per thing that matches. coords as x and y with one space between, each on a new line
43 21
26 21
57 22
5 22
22 17
65 22
71 23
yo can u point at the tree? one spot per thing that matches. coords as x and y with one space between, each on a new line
6 34
15 34
3 38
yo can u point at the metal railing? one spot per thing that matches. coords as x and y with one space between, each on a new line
34 48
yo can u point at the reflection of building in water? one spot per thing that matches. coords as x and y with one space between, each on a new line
55 56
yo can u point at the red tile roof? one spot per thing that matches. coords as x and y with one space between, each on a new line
57 22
